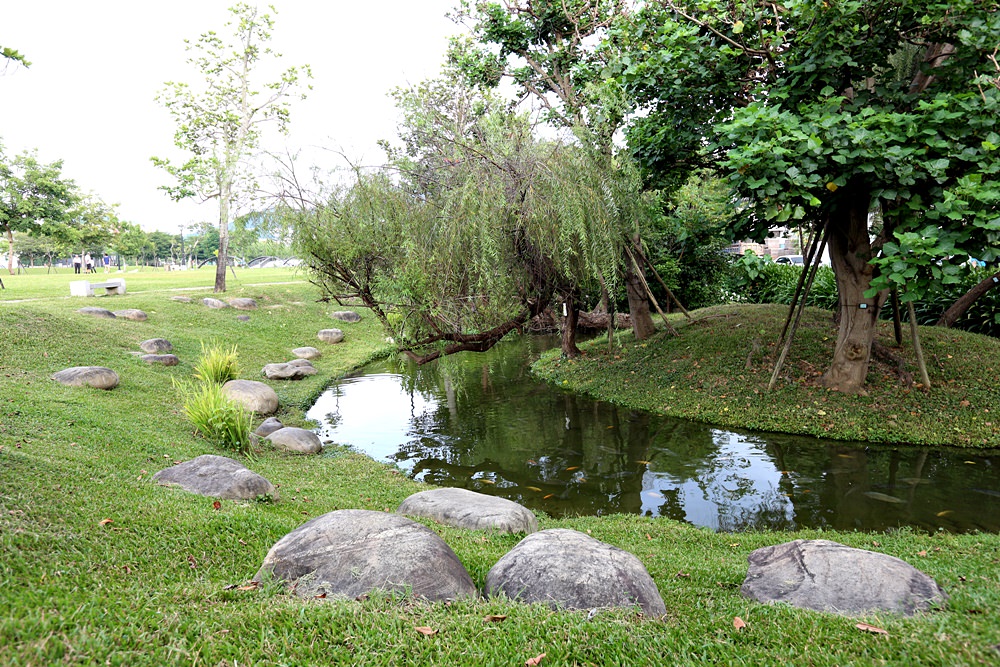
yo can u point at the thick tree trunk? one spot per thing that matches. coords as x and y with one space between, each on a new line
638 304
850 251
569 348
964 302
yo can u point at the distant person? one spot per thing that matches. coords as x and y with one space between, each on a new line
76 263
107 262
88 263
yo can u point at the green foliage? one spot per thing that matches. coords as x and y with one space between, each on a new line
220 123
219 419
12 55
217 364
759 280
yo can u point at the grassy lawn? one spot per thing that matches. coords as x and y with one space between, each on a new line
155 585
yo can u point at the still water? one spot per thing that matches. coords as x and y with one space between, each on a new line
481 422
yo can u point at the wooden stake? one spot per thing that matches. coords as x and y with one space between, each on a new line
924 378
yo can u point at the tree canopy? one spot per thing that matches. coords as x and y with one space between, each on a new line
220 122
821 113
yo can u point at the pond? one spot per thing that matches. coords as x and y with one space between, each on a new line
481 422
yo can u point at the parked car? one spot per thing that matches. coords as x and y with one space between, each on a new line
795 260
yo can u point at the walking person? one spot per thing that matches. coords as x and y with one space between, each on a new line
107 262
76 264
88 263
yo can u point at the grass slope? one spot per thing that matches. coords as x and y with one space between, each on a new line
155 585
712 373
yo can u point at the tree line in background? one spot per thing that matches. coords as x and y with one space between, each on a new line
46 219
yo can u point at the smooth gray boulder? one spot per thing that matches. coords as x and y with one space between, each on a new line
133 314
243 303
296 440
828 576
467 509
288 371
217 477
164 359
570 570
348 553
214 303
302 363
307 353
254 396
156 346
98 377
269 426
97 312
346 316
182 299
330 335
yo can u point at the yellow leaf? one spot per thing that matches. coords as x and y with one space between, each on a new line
831 186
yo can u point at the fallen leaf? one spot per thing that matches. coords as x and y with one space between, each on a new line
425 631
252 586
104 522
217 505
533 662
648 536
921 553
321 596
871 628
739 623
192 562
682 575
495 618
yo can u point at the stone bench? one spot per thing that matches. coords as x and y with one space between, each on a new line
86 288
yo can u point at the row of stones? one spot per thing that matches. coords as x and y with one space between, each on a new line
347 553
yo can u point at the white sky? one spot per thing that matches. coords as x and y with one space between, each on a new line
88 97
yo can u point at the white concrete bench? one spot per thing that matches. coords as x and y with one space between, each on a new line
86 288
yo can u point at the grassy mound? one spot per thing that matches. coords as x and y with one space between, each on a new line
718 368
100 566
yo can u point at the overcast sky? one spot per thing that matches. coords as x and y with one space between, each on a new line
88 97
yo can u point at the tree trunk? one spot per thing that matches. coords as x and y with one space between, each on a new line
223 259
850 250
10 251
569 348
964 302
638 304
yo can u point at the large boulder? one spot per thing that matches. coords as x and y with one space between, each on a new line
567 569
827 576
98 377
164 359
243 303
269 426
215 303
156 346
289 371
97 312
330 335
307 353
467 509
218 477
255 396
297 440
133 314
348 553
346 316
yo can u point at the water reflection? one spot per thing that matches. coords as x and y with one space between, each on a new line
481 422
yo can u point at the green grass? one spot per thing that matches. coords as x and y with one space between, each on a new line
153 586
702 374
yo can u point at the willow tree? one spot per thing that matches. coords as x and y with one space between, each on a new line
220 122
546 49
825 113
473 228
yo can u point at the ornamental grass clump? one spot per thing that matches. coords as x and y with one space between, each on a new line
218 418
217 364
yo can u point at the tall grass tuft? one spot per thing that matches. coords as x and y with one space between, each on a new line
216 417
216 364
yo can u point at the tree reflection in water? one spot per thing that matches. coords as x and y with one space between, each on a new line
479 421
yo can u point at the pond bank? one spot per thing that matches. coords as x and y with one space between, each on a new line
717 370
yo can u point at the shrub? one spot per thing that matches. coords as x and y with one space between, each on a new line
215 416
216 365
